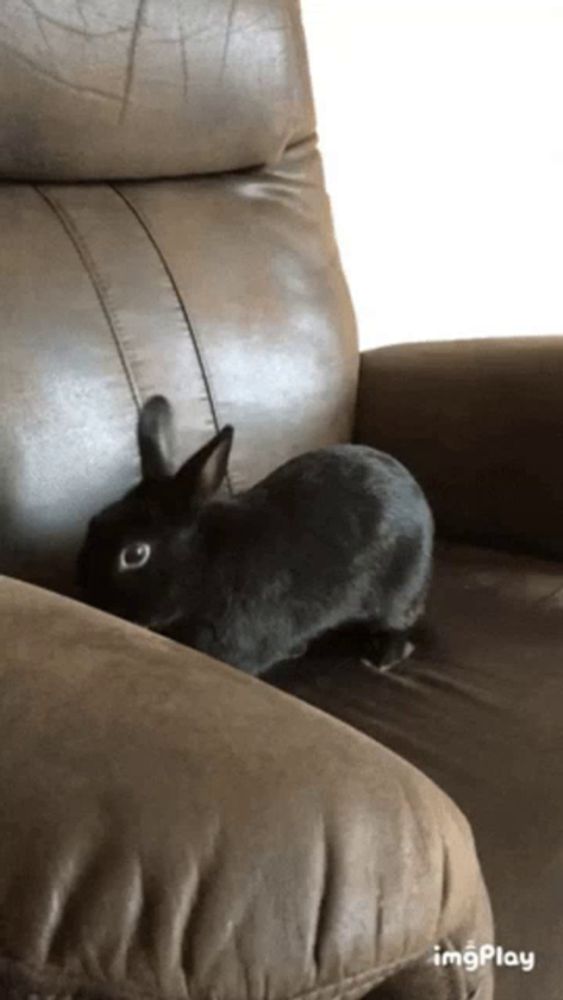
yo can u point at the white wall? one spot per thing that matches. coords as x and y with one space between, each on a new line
442 130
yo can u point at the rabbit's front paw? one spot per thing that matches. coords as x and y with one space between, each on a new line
390 649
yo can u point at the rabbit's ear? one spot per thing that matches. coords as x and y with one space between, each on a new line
155 437
201 476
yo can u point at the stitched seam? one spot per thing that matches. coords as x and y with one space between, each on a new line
189 325
197 348
344 987
97 284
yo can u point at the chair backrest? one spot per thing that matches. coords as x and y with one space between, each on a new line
164 227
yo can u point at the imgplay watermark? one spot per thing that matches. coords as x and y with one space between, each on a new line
473 957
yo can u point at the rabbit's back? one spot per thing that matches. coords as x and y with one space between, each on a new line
335 536
347 495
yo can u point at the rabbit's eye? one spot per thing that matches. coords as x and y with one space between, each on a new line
134 556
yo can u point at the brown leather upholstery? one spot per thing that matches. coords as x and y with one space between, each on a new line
225 293
481 425
172 828
479 706
479 709
149 88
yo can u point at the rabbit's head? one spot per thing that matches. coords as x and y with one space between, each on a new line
135 557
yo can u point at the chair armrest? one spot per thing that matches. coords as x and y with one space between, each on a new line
480 423
172 828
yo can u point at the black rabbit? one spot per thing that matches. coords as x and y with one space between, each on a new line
335 537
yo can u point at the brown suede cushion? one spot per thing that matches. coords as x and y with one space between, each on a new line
479 708
171 828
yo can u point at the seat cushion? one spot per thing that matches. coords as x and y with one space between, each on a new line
171 829
479 708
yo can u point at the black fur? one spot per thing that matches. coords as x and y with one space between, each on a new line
336 537
155 438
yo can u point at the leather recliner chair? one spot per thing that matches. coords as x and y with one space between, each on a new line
170 828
